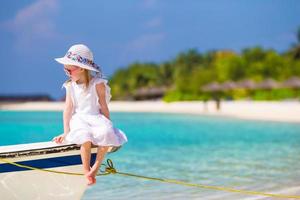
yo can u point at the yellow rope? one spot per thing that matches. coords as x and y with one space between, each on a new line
109 169
46 170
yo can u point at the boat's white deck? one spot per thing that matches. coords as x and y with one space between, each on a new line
29 146
40 146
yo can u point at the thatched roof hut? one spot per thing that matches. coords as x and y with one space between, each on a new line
293 82
149 93
268 84
212 87
246 84
228 85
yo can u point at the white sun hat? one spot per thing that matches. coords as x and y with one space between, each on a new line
81 56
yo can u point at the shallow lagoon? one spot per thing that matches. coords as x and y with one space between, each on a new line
244 154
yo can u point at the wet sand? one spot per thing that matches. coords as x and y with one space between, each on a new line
287 111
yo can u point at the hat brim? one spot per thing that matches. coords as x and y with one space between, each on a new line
67 61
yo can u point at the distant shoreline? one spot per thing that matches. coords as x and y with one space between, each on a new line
285 111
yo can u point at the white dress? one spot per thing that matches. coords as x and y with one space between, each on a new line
87 123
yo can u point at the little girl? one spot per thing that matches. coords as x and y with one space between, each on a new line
86 115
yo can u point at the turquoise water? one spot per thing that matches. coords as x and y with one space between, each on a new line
254 155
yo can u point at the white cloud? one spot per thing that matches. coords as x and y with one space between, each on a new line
33 24
154 22
149 4
143 48
146 41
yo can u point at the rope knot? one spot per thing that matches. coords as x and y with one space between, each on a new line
110 171
109 167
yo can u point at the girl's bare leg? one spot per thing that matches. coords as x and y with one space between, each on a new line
101 152
85 151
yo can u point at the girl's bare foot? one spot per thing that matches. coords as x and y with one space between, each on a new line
90 179
93 174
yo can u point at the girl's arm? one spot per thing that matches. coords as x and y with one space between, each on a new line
102 100
67 113
68 109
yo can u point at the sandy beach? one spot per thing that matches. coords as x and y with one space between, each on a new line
288 111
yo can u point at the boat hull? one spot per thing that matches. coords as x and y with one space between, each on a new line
33 184
24 175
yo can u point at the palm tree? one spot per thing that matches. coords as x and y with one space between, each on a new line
295 50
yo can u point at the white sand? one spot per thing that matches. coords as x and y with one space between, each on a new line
272 111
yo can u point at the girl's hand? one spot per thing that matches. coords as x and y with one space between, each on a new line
59 139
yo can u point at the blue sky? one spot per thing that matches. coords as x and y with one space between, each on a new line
33 33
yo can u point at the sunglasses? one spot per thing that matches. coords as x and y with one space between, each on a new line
70 71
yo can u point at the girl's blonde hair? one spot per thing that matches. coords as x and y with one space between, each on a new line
87 76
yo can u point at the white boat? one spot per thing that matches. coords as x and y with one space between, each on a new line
17 182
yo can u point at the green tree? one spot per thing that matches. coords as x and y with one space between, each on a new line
295 50
184 64
189 71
